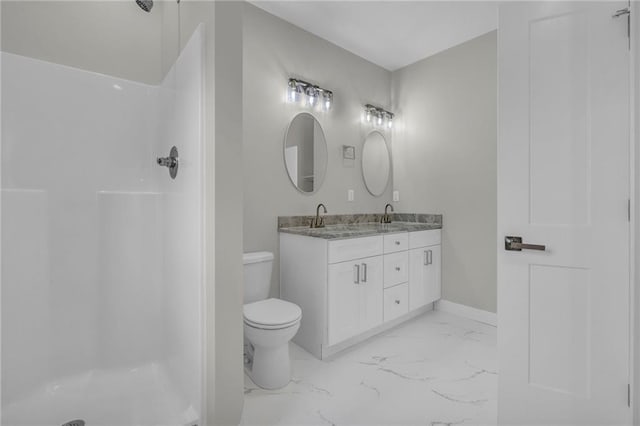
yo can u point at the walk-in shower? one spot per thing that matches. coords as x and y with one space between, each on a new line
102 251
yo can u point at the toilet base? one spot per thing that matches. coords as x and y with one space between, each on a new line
269 364
270 368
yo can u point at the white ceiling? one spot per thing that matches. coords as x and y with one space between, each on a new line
391 34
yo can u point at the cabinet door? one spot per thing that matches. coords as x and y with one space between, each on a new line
343 301
433 287
354 297
371 284
424 276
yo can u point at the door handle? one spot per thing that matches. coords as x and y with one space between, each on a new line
621 12
516 244
430 256
356 274
364 272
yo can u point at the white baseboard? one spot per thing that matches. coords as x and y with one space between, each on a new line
465 311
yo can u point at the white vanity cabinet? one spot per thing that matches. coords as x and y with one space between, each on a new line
424 268
350 289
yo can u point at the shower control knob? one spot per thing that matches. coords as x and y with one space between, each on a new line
171 162
167 161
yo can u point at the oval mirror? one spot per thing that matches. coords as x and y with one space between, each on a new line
305 153
376 163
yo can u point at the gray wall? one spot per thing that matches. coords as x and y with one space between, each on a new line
445 160
275 50
223 196
113 38
229 372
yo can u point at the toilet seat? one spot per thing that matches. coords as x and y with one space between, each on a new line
271 314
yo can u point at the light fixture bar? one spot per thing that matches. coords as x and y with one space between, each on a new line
315 94
380 115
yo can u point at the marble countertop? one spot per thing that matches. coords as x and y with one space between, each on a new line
344 231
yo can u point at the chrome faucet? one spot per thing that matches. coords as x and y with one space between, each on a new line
385 217
318 222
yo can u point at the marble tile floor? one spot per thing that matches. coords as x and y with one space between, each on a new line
437 369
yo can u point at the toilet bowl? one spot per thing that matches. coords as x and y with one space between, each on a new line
269 325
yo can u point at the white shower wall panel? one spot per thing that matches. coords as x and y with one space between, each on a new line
68 134
74 130
25 298
130 292
181 125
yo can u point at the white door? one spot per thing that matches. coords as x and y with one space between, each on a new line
563 182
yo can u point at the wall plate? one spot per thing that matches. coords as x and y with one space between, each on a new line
348 152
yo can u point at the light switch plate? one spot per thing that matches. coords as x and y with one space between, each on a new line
350 195
396 196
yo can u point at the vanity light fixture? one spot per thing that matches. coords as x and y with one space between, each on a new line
315 95
381 115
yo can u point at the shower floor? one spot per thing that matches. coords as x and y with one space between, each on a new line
141 396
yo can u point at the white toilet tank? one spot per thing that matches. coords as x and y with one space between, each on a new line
257 275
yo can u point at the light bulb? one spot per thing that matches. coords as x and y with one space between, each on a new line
390 122
312 96
379 120
368 116
328 98
293 91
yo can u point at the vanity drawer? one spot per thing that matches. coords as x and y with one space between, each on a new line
431 237
396 301
354 248
396 268
396 242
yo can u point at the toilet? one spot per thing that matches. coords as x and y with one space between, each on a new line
269 325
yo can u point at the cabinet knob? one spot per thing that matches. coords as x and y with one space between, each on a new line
397 302
397 243
398 268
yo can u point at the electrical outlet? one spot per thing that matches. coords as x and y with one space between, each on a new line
350 195
396 196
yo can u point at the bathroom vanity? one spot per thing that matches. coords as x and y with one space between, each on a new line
355 280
